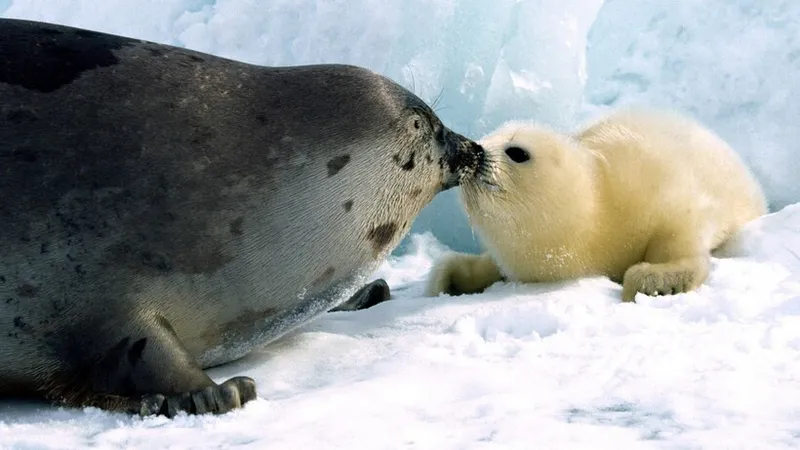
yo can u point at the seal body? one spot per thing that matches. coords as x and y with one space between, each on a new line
641 196
165 210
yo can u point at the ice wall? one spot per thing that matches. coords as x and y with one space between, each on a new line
734 64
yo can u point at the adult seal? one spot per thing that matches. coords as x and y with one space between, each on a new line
164 210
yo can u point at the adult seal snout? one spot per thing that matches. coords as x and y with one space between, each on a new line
165 211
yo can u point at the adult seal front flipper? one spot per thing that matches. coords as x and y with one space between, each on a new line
368 296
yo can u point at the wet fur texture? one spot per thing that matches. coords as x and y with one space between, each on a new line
641 196
165 211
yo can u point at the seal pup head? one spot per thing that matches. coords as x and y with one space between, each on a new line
532 173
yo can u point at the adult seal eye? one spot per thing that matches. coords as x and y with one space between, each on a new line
518 155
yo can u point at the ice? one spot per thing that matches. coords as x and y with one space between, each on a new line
732 64
520 366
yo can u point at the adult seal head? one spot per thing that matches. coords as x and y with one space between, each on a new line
165 211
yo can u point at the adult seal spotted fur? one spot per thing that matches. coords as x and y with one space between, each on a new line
164 210
642 196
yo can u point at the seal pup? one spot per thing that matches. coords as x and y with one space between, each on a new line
642 196
165 211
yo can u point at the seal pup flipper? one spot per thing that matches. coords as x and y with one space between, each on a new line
148 372
462 273
368 296
670 266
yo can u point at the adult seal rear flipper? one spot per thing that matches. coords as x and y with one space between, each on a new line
148 371
368 296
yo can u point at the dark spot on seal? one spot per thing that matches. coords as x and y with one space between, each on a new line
45 62
236 226
196 58
79 269
262 119
348 205
429 158
2 279
27 290
325 277
19 323
44 248
408 165
336 164
415 193
21 115
382 235
135 352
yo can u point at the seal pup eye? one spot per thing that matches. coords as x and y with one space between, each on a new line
517 154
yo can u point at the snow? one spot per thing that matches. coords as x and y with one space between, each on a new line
520 366
562 365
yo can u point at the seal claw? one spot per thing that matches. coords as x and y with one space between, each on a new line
219 399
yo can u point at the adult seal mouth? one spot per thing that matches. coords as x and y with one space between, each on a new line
165 210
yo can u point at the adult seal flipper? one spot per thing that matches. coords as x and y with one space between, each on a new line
112 379
165 211
368 296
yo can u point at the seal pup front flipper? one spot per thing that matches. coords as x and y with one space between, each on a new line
462 273
675 262
148 371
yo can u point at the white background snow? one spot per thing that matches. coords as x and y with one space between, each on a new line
563 366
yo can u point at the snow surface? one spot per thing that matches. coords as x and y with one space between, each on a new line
537 366
550 366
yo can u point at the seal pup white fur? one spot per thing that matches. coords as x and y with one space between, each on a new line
641 196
